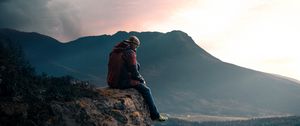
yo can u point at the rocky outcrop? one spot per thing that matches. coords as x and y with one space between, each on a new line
30 99
109 107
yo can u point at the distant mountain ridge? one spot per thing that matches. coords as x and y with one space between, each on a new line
184 78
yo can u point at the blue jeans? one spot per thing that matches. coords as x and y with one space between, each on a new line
145 91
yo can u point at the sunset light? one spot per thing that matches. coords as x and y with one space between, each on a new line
258 34
150 62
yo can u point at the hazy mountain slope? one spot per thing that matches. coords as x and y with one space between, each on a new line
273 121
184 78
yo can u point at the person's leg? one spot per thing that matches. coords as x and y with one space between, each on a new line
147 95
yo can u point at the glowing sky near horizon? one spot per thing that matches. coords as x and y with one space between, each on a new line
257 34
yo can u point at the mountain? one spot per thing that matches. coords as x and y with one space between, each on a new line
183 77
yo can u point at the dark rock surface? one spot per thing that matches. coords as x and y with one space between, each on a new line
109 107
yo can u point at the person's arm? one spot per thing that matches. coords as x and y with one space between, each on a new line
130 59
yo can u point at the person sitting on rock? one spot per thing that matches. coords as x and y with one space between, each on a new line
123 73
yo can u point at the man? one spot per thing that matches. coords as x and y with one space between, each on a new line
123 73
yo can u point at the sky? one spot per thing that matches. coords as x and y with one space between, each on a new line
258 34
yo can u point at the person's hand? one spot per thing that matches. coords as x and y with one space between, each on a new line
144 82
141 79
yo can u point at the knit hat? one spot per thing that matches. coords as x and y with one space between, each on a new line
134 39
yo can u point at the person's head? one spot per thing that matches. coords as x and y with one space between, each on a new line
134 42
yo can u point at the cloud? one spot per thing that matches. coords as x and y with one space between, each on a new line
17 13
39 16
70 19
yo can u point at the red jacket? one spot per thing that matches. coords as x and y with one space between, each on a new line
123 66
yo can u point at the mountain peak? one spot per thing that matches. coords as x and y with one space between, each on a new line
27 37
120 33
177 31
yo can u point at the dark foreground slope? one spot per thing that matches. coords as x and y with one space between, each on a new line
184 78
